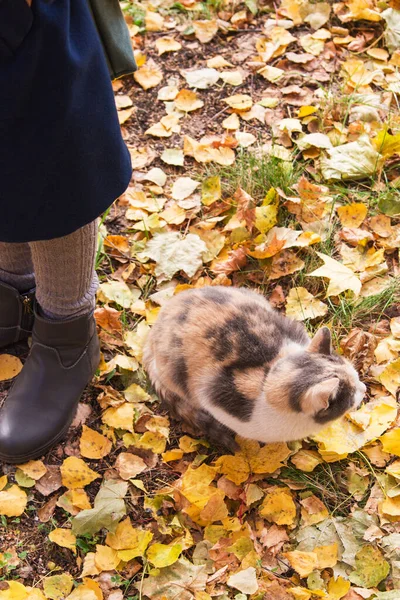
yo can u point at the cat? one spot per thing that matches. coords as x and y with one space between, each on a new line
225 362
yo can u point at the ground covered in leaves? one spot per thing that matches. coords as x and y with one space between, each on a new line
265 141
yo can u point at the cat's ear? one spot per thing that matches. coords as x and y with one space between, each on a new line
317 397
321 342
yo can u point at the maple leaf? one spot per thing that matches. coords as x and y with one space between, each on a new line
341 278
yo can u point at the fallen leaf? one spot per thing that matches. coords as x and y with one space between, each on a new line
352 215
353 160
75 473
201 78
106 558
109 508
149 76
166 44
173 156
371 567
10 366
94 445
341 278
64 538
245 581
174 253
204 31
184 187
278 506
302 305
34 469
13 501
239 102
343 436
129 465
390 376
163 555
58 587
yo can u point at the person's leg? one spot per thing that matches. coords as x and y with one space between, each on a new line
65 349
16 268
66 281
16 292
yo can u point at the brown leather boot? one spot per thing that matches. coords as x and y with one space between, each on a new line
42 403
16 315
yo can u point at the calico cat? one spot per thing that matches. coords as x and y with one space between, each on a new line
225 362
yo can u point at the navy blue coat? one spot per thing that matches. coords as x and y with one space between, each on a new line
62 157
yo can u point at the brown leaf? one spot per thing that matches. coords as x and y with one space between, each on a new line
50 482
109 319
236 260
285 263
245 208
46 512
277 298
359 347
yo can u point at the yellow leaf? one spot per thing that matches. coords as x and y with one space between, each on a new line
128 541
306 460
231 123
387 144
251 459
306 111
34 469
266 217
89 590
129 465
211 190
13 501
15 591
300 593
327 556
278 506
58 587
89 566
338 588
10 366
75 473
301 305
390 376
124 115
352 215
120 417
343 436
341 278
391 441
106 558
152 440
196 484
188 101
64 538
94 445
34 594
163 555
174 454
154 21
149 76
205 30
391 507
3 482
239 102
302 562
167 44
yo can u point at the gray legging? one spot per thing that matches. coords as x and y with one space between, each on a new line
61 269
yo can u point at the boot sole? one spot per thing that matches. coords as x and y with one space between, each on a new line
12 460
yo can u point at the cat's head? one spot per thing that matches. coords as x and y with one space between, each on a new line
315 381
